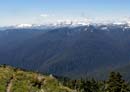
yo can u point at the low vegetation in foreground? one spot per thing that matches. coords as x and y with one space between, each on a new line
18 80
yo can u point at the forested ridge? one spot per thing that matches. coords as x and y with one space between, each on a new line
65 51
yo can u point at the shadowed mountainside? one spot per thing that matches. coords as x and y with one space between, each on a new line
67 51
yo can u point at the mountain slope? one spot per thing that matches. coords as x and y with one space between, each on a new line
70 51
16 80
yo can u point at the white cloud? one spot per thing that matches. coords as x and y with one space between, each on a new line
44 15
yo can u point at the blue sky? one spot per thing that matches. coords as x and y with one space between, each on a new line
41 11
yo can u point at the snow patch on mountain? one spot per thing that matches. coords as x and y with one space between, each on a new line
24 26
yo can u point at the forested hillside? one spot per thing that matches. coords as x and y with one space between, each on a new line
67 51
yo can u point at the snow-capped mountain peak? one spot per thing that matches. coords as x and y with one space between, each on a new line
24 26
72 22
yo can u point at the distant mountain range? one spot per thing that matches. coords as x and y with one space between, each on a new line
63 23
58 24
66 50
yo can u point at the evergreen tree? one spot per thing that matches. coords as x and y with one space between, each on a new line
115 83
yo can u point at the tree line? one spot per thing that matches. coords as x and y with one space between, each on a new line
115 83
